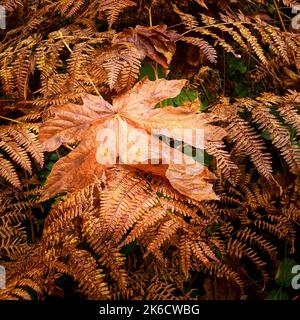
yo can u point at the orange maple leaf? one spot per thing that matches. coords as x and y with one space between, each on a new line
132 113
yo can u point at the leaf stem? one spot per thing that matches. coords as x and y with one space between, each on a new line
69 147
212 26
150 16
9 119
279 15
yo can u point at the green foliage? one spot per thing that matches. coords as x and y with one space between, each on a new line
236 74
278 294
284 273
283 281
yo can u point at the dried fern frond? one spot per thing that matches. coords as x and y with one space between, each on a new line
12 5
127 208
224 163
248 220
16 210
18 143
247 35
118 66
83 268
280 136
264 111
288 110
146 212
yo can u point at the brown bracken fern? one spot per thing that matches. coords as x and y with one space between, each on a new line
18 145
69 69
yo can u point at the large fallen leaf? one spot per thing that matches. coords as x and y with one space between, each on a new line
133 114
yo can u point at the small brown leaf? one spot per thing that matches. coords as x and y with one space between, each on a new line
156 42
